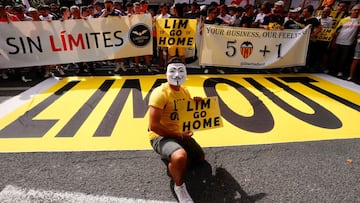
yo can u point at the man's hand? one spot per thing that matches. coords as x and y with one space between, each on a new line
197 99
186 135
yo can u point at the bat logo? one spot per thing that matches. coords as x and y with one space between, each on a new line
139 33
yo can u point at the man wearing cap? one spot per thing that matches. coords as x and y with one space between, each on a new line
275 19
293 21
19 11
175 147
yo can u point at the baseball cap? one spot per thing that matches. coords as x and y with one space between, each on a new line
295 10
32 9
279 3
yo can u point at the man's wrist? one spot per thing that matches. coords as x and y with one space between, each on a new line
181 136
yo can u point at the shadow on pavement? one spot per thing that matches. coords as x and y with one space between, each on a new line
203 186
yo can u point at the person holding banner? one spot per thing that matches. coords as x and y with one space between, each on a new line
147 58
214 20
6 17
175 147
323 46
162 50
174 50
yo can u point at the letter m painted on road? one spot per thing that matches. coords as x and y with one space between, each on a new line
140 105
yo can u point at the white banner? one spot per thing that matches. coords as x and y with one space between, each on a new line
253 48
24 44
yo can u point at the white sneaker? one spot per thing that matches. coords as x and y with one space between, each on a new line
24 79
47 75
340 74
206 71
182 194
122 66
61 71
220 71
117 67
4 76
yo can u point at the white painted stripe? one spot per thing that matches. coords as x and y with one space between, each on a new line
16 101
12 194
344 83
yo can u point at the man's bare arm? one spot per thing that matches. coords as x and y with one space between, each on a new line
157 127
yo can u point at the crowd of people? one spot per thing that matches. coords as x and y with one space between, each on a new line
339 56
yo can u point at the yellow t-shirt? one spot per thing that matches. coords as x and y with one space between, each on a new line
163 97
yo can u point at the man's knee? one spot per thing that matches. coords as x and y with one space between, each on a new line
178 156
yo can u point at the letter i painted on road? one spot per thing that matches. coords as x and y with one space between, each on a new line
199 115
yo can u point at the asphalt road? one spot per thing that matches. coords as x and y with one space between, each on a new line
290 172
318 171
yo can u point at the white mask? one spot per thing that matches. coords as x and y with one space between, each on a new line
176 74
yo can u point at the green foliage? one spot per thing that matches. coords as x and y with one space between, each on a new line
36 3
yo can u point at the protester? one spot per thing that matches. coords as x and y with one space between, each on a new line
34 14
224 15
275 19
147 58
236 18
214 20
174 50
309 19
19 11
246 20
265 9
175 147
323 47
344 40
163 51
6 17
44 11
194 12
355 61
293 20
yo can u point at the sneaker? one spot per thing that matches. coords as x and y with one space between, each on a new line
47 75
137 68
220 71
24 79
149 69
182 194
206 71
122 66
4 76
340 74
295 69
117 67
349 79
61 71
326 71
